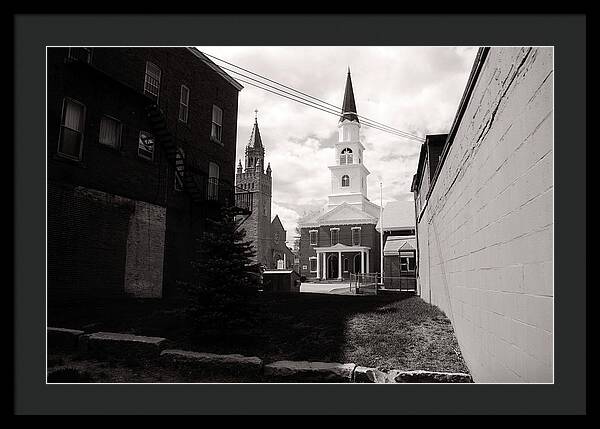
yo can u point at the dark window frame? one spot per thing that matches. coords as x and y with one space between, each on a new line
62 126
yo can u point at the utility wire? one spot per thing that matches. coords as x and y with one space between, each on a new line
313 104
335 112
367 121
307 95
324 110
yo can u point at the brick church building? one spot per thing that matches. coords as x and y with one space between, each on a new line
268 236
342 238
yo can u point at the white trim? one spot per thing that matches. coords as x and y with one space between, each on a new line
316 243
331 236
146 75
182 104
341 247
216 139
359 229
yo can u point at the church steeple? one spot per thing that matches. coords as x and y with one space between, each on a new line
255 140
349 105
255 151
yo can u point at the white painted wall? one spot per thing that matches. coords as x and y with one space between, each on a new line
486 233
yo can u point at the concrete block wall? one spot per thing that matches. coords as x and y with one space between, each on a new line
486 232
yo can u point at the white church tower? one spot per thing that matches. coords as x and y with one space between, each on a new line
348 173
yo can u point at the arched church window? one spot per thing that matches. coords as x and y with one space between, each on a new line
346 156
345 180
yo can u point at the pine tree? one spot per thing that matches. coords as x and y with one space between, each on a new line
225 274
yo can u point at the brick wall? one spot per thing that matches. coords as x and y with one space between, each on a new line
113 85
486 233
369 237
258 224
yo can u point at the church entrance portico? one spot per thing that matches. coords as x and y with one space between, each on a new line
335 262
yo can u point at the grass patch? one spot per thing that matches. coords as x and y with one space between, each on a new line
383 331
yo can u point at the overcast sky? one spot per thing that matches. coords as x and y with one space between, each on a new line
414 89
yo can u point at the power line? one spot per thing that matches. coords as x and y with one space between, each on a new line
366 121
322 109
312 104
307 95
326 105
380 126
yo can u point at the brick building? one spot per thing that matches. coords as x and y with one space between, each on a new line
268 236
283 257
341 239
484 211
140 152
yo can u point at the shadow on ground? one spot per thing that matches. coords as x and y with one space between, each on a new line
397 331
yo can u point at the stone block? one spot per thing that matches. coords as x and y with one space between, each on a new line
303 371
231 364
364 374
420 376
115 345
62 339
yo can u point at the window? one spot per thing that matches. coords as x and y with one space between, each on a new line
71 129
179 169
184 101
345 265
407 263
345 181
146 146
346 156
313 238
81 54
152 80
335 236
110 132
356 236
313 264
217 124
213 181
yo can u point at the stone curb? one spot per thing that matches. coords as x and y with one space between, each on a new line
62 338
304 371
420 376
111 344
233 363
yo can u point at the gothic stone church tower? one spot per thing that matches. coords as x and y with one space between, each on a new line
253 177
341 238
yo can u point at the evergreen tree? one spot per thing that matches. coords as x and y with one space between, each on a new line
225 274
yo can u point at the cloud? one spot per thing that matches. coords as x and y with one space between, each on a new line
414 89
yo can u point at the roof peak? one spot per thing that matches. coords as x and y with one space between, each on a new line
255 139
349 105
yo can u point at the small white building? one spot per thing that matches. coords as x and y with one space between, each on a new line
400 245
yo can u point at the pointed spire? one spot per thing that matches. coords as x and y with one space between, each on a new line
239 167
255 140
349 105
269 169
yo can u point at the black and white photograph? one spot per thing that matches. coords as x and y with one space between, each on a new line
318 214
